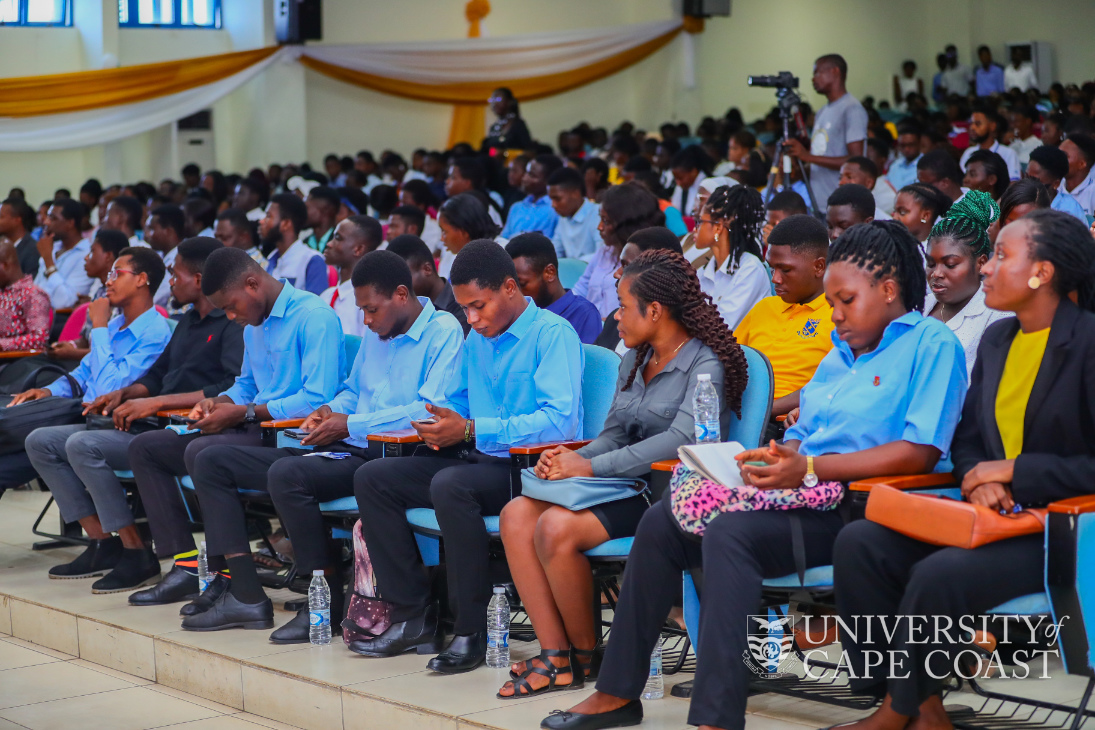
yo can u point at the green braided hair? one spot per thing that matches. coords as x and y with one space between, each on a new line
968 221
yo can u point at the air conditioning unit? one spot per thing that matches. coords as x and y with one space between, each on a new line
1040 54
194 141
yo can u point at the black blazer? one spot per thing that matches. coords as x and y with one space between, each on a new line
1058 458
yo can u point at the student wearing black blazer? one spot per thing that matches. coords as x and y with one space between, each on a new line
1026 438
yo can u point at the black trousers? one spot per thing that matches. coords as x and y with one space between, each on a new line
879 572
462 491
157 458
296 483
738 551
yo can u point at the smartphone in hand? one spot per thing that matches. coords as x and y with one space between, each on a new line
296 433
183 420
431 419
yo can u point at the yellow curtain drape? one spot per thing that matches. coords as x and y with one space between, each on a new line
72 92
469 120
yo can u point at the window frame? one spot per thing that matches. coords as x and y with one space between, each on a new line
24 13
176 24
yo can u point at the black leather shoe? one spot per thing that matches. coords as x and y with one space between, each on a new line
99 557
421 634
297 631
626 716
463 654
216 588
177 585
136 568
229 613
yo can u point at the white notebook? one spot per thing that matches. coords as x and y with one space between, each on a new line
714 461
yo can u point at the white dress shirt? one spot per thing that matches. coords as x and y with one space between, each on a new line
1084 192
735 292
969 324
431 235
341 298
163 293
70 280
1007 153
256 214
1023 147
1022 78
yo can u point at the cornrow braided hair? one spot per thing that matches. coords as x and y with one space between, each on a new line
744 206
1065 242
929 198
885 249
666 277
968 222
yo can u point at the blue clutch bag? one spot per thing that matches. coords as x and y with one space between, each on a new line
578 493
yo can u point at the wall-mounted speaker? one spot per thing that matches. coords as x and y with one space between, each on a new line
296 21
706 8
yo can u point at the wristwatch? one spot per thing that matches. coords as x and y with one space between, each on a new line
810 480
252 418
51 271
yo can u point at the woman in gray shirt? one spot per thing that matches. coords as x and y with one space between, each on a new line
675 334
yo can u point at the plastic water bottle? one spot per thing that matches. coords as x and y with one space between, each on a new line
705 408
498 629
204 578
655 683
319 610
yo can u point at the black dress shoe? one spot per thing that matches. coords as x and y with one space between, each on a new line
136 568
177 585
422 634
229 613
626 716
297 631
99 557
463 654
216 588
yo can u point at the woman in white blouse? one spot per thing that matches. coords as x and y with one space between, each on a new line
959 245
735 277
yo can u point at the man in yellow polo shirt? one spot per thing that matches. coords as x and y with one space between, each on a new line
792 328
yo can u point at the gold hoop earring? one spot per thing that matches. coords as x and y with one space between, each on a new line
1034 282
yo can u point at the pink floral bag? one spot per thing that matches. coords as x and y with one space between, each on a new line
366 615
696 500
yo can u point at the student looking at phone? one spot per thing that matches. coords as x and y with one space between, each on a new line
413 353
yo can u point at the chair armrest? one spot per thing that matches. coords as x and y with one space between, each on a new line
65 310
18 354
1074 506
667 465
283 423
173 412
541 448
402 436
781 419
909 481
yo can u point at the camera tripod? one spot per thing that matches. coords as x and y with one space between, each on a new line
788 107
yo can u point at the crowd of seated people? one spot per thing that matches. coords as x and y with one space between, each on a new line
923 295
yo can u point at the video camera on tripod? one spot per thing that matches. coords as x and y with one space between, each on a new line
789 104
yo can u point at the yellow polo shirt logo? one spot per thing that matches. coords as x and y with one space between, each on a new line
809 330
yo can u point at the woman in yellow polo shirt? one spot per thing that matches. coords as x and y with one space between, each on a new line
1026 438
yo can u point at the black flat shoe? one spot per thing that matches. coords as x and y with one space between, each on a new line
177 585
626 716
228 613
422 634
98 558
216 588
463 654
136 568
298 630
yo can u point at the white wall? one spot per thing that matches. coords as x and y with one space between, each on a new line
290 113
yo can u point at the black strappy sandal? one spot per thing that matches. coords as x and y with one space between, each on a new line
549 670
586 667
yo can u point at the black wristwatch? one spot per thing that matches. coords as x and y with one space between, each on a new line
250 417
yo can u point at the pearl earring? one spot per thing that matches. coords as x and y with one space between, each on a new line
1034 282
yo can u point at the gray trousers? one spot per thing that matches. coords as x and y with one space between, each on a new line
78 467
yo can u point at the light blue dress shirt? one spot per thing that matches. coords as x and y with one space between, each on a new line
1065 203
525 385
294 361
991 80
118 356
577 237
531 214
902 172
909 388
70 280
392 380
597 283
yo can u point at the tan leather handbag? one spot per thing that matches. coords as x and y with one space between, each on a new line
948 522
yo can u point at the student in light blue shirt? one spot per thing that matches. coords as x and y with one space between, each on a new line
535 212
902 170
1049 166
410 356
522 378
576 235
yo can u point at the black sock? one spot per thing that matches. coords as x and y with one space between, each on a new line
245 586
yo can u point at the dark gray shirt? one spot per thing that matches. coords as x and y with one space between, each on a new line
649 421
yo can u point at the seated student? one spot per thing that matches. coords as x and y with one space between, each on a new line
522 378
24 308
291 259
199 216
352 239
17 220
410 356
164 230
986 171
903 425
625 209
902 170
61 249
918 207
235 229
1049 166
202 358
1021 197
848 206
535 212
1025 439
124 214
938 169
323 204
537 268
250 199
406 220
793 328
674 334
1080 180
463 218
576 235
293 362
735 277
782 205
689 166
695 254
861 171
468 176
425 280
674 221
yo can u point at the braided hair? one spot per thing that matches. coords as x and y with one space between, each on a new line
1065 242
885 248
744 205
929 197
968 221
666 277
